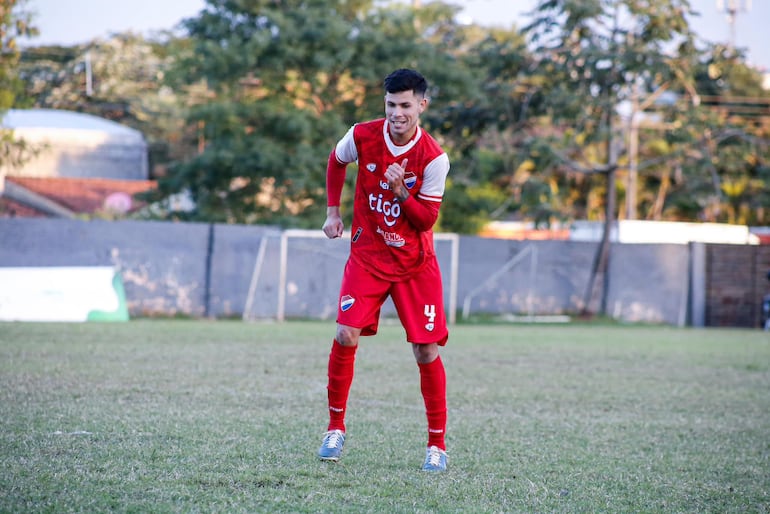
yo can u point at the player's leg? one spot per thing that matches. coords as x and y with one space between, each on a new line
341 368
358 312
420 307
433 389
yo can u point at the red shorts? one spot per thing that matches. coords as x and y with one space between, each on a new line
419 302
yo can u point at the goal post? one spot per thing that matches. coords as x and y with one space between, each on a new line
317 256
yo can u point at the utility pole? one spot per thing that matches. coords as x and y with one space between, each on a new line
633 153
635 122
89 75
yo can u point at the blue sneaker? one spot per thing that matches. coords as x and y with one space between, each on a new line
435 459
331 448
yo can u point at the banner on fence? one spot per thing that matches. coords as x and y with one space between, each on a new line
62 294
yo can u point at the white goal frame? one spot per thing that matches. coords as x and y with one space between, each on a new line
454 240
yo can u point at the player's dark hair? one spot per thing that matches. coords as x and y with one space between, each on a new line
406 80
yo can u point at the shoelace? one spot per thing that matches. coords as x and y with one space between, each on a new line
434 456
333 439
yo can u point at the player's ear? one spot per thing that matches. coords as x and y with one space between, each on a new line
423 104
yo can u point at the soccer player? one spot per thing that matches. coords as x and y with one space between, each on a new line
399 188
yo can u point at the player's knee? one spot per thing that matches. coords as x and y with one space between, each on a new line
347 336
425 353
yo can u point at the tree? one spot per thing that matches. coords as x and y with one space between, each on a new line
710 161
731 136
14 24
247 105
274 92
595 53
484 129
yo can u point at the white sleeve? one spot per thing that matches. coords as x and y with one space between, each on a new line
346 148
434 179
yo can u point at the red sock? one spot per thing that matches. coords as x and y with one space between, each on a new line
433 387
341 366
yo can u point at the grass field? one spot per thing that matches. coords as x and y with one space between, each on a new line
191 416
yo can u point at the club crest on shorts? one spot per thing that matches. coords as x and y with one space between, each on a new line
346 302
410 179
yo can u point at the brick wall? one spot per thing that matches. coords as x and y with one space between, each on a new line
736 281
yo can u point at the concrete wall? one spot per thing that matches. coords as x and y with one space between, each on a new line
163 264
497 275
235 249
650 282
197 270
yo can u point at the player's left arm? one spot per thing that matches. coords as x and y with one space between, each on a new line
421 214
422 209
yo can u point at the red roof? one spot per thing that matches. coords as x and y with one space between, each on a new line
80 195
12 209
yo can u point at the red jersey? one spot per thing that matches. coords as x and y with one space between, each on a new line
383 240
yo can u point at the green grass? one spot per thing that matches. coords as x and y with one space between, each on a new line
193 416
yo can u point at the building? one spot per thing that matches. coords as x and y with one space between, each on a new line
81 164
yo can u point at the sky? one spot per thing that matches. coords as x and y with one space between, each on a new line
69 22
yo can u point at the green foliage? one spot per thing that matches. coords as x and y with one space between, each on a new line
242 111
14 24
280 91
468 207
596 55
261 164
592 52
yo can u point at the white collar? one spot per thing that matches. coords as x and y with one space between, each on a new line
399 149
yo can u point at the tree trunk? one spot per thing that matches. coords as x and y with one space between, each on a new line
601 262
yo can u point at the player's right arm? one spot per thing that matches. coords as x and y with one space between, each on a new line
333 226
335 179
342 154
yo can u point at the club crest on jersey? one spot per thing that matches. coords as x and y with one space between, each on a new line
410 179
346 302
371 167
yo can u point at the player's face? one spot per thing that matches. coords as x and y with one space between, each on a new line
402 110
